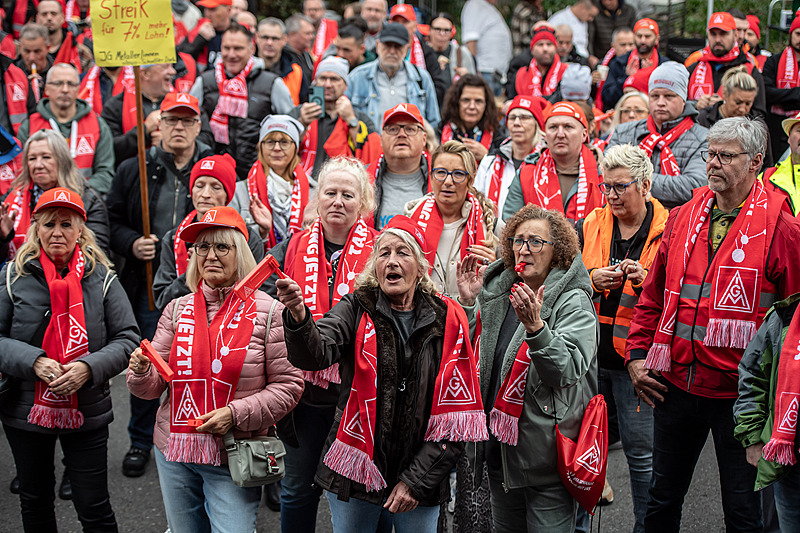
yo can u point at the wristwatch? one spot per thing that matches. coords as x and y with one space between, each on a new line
353 122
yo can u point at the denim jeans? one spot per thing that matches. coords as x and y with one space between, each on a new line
85 458
143 412
494 83
299 495
204 499
787 500
636 433
681 425
545 509
358 516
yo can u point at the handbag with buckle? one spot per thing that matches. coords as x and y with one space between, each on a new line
255 461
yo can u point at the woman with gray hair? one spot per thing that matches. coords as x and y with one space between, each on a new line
619 242
409 393
46 163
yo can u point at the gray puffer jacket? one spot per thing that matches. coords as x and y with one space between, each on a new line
671 190
563 369
110 326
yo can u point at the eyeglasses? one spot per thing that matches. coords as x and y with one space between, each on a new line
633 111
534 244
221 249
471 101
283 144
442 30
409 129
63 83
618 188
521 118
440 174
187 122
724 157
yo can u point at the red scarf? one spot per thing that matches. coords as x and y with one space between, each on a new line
181 254
417 57
257 186
326 34
232 101
669 165
485 137
208 381
782 445
430 221
496 181
606 60
788 78
312 271
542 188
68 53
504 418
20 15
702 79
185 82
635 62
65 340
529 82
90 87
727 327
20 202
8 172
456 413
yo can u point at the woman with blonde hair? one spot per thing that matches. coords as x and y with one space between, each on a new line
633 106
66 328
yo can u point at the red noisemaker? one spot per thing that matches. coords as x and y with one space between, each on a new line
161 365
250 283
519 268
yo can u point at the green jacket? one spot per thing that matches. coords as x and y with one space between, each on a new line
754 410
103 163
563 369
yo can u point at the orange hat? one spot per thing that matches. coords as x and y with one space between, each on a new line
222 167
529 103
217 217
566 109
60 197
403 110
180 101
211 4
722 20
424 29
754 24
646 24
404 11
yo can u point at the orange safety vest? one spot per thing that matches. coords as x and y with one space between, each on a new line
598 229
294 82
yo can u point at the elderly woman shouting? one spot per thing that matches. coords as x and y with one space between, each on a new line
409 395
619 242
537 333
231 373
66 328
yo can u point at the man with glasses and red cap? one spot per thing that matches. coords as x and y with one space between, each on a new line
782 83
644 55
721 54
542 74
564 176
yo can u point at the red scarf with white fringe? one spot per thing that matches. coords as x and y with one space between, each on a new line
504 418
744 249
702 79
65 340
232 101
782 446
456 412
430 221
311 270
207 360
669 165
181 254
258 184
529 82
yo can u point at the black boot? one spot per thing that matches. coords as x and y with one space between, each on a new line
14 487
65 489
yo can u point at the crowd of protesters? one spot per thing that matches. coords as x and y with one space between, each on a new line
476 239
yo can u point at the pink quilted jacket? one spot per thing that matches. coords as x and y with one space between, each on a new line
269 386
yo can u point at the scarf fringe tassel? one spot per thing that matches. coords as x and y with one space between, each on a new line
323 378
504 426
780 450
659 358
727 333
461 426
199 448
220 131
354 464
233 107
51 417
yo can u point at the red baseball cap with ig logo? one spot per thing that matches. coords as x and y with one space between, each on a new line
404 11
60 197
722 20
180 101
403 111
218 217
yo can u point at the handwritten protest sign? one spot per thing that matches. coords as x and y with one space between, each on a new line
132 32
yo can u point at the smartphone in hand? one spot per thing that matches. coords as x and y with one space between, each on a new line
317 96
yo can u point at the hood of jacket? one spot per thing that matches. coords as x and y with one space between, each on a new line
81 109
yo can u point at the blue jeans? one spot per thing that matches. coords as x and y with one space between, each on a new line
549 508
636 433
358 516
497 87
204 499
299 495
143 412
681 425
787 500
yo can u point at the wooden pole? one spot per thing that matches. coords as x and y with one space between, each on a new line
143 181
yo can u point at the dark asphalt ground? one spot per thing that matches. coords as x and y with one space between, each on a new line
139 509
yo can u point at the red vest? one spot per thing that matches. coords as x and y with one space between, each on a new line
84 145
20 15
16 83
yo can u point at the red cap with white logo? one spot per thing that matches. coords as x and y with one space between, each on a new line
403 111
722 20
217 217
180 101
60 197
567 109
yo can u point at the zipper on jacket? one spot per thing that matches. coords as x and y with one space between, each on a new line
175 202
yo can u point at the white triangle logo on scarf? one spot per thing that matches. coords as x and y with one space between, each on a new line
18 95
456 392
591 459
736 297
236 87
354 428
52 397
187 408
789 421
6 174
78 340
516 390
84 146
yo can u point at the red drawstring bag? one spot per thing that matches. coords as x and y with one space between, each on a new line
582 466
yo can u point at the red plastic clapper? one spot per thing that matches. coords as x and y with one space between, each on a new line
520 267
161 365
194 422
250 283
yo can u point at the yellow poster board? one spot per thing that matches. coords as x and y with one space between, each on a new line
132 32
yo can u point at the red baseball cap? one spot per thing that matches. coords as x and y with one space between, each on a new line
404 11
403 111
567 109
180 100
211 4
424 29
722 20
646 24
222 167
529 103
217 217
60 197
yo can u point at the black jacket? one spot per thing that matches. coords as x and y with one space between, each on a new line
786 98
523 59
401 451
760 103
125 207
710 115
110 326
